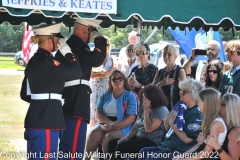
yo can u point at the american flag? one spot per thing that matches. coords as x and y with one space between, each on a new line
180 107
26 41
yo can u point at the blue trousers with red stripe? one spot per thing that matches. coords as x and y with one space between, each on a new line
42 144
72 140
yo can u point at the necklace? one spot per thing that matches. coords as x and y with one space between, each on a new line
171 69
144 66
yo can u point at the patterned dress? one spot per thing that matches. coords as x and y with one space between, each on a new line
98 87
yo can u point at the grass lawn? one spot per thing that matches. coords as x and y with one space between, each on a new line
12 108
7 62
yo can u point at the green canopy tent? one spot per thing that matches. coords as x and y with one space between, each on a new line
147 13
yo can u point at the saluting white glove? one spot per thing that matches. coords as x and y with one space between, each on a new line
63 47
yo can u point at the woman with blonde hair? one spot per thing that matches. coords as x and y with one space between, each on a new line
168 78
42 87
212 124
99 81
230 112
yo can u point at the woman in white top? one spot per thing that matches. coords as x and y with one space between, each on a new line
230 112
209 104
116 112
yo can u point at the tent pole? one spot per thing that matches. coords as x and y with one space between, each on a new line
139 29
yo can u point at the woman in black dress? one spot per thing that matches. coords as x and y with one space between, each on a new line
145 72
168 77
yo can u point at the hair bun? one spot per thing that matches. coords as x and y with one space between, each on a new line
35 39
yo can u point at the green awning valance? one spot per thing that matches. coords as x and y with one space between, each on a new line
160 13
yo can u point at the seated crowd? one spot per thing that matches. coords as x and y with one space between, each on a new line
162 114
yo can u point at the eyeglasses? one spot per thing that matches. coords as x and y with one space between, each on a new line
211 49
212 71
183 92
117 79
130 50
139 53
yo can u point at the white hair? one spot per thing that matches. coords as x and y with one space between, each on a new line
133 33
192 85
215 43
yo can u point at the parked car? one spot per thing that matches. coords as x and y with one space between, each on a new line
19 59
91 45
115 51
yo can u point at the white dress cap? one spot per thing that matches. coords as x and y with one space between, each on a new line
89 22
49 30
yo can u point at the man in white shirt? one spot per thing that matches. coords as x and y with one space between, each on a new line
132 39
130 62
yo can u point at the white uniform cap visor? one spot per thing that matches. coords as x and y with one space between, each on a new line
53 30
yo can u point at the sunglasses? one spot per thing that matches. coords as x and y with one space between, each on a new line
130 50
212 71
139 53
117 79
183 92
222 103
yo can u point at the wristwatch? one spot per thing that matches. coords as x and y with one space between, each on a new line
219 150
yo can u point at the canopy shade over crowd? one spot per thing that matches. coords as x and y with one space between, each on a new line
161 13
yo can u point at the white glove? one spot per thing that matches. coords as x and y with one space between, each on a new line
63 47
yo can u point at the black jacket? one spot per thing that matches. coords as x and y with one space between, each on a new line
77 97
47 75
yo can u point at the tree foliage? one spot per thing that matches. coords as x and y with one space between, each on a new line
11 36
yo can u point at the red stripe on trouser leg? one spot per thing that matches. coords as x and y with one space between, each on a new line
48 143
77 130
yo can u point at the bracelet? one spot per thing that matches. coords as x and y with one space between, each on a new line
191 59
219 150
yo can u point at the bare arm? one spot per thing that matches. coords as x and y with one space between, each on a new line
150 124
188 63
155 78
182 75
129 119
233 147
133 131
218 128
101 117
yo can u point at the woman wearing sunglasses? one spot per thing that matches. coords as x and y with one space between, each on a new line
230 112
99 81
149 127
144 72
116 112
176 139
213 74
212 124
169 77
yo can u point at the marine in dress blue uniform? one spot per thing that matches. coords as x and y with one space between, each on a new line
76 93
42 88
